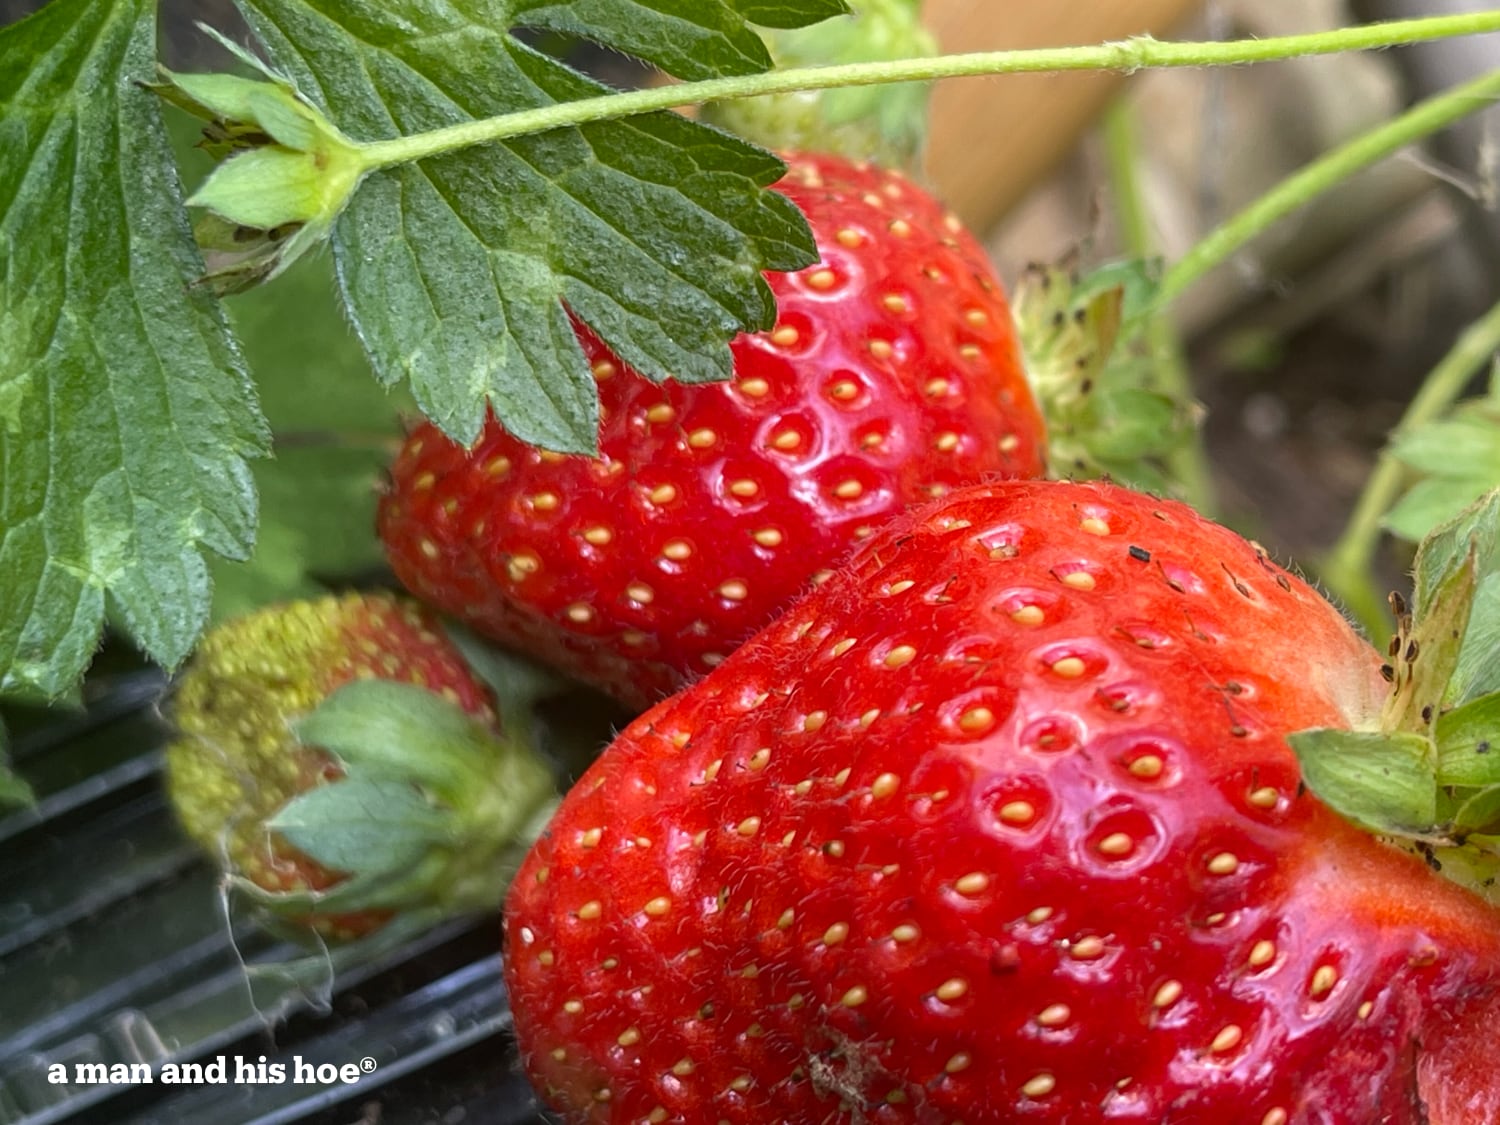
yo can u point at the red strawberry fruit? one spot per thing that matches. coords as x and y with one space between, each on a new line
238 764
1001 824
892 376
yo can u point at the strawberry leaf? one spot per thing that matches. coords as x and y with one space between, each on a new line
126 416
1431 503
1457 459
460 272
335 432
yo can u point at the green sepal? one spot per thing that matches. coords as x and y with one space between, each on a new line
433 810
260 255
1130 423
246 106
518 683
1427 651
363 825
1105 418
214 233
269 104
1385 782
265 188
287 172
1068 328
389 730
1479 810
1468 744
1469 543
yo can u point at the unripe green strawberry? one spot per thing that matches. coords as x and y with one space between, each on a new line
237 761
882 122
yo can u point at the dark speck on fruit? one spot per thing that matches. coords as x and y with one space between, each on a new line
1005 959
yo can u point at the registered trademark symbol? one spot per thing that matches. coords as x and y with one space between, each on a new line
368 1064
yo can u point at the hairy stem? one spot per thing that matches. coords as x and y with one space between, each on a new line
1346 568
1189 466
1324 173
1127 56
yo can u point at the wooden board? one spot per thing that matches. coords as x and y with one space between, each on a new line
993 138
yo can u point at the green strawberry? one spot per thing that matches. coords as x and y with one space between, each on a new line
884 123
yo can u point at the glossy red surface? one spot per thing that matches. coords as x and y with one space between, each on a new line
892 376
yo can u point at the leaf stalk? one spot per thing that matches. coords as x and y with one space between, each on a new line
1126 56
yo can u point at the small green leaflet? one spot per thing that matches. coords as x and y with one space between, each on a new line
460 272
126 416
1471 539
1457 459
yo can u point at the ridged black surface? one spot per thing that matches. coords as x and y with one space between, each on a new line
116 948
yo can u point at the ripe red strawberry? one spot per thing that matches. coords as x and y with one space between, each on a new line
891 376
237 762
1000 824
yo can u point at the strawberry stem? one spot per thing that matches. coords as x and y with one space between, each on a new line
1126 56
1324 173
1345 570
1188 464
886 123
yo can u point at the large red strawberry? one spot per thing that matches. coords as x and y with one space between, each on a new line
424 773
892 375
1001 824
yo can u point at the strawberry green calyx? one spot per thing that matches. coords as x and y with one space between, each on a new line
884 123
337 809
433 811
1105 417
287 171
1427 772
